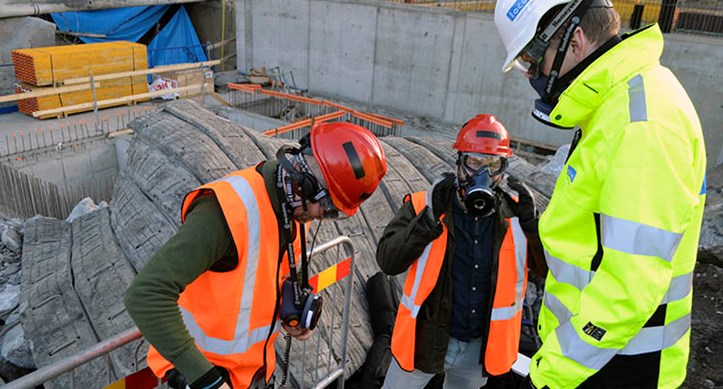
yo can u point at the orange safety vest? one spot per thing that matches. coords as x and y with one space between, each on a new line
230 315
503 338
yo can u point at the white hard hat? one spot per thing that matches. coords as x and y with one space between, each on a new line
517 21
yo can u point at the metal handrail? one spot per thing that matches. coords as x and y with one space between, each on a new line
339 372
65 365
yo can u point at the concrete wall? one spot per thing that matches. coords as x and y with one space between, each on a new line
75 165
432 62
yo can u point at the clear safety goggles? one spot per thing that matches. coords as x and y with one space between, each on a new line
530 59
330 210
478 162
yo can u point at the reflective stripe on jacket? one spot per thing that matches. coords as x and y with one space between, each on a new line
230 314
504 330
621 229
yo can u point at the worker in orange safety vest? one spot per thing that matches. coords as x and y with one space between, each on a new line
209 301
465 244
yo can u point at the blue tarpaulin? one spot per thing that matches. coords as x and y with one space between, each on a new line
177 42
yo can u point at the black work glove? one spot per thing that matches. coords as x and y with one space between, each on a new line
441 196
213 379
524 208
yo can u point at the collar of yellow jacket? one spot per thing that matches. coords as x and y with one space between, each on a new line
638 49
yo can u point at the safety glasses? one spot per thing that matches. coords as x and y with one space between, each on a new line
330 210
530 59
477 162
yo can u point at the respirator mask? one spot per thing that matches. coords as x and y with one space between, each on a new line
477 176
305 312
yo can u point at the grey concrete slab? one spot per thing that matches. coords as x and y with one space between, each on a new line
341 48
412 66
281 36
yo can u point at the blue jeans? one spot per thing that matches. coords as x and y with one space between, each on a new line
461 367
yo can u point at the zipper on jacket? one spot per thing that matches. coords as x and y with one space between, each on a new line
573 144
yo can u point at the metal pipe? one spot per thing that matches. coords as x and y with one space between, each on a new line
15 8
223 30
53 370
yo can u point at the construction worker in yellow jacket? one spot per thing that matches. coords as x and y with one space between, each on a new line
621 230
465 244
209 300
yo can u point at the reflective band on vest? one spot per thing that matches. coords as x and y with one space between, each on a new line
622 235
506 315
503 338
408 299
568 273
580 351
636 94
649 339
421 279
680 288
520 242
638 239
230 315
241 342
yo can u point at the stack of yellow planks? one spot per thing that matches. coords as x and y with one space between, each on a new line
49 66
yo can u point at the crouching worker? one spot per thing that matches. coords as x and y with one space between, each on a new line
210 299
466 244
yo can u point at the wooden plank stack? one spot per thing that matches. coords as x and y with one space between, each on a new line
46 67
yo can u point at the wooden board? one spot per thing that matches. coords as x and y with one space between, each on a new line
45 66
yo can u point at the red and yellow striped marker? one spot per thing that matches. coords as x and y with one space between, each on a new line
330 275
142 379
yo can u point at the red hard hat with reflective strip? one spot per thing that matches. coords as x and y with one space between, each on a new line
352 161
484 134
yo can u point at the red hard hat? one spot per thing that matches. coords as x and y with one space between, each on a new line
483 134
352 161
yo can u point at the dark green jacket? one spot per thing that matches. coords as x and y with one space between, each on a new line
404 240
203 243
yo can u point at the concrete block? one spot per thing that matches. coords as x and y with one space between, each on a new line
281 38
412 62
342 49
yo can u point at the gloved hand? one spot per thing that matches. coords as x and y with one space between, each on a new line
524 208
441 196
216 378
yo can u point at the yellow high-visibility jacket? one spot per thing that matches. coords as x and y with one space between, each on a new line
621 229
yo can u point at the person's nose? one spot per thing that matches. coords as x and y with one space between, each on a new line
317 212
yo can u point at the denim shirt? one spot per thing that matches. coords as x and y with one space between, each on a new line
471 273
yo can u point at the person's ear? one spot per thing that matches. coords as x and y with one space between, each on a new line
579 45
